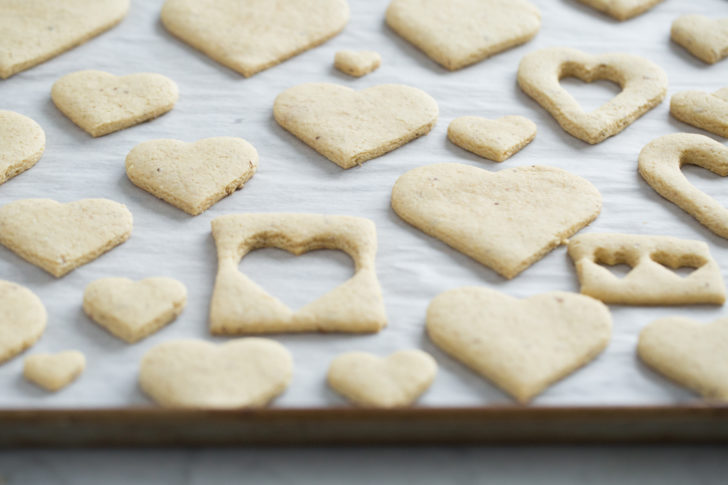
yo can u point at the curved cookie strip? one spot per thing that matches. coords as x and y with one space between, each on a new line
252 35
506 220
650 282
22 319
22 143
357 63
350 127
101 103
53 372
240 306
34 31
457 33
643 83
660 162
693 354
522 346
704 110
495 140
703 37
621 9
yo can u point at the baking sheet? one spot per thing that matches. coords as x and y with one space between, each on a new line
412 267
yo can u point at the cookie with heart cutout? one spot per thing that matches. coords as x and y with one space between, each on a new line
621 9
22 319
53 372
495 140
704 37
22 143
708 111
357 63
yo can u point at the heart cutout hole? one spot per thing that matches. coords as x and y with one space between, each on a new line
683 265
617 263
705 180
297 280
590 94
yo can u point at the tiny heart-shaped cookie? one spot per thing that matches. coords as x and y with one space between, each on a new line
252 35
22 142
61 237
506 220
621 9
457 33
192 176
522 346
496 140
708 111
22 319
241 373
101 103
350 127
54 371
643 83
34 31
703 37
692 354
395 381
357 63
133 310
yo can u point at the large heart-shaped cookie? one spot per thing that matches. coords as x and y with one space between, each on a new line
395 381
251 35
22 319
240 373
523 346
53 372
496 140
621 9
692 354
101 103
708 111
457 33
60 237
506 220
660 162
133 310
643 83
703 37
22 142
192 176
350 127
33 31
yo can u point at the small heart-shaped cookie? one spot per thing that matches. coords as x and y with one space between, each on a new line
357 63
692 354
643 84
54 371
522 346
457 33
192 176
350 127
61 237
22 142
395 381
240 373
22 319
703 37
34 31
621 9
496 140
252 35
101 103
506 220
708 111
133 310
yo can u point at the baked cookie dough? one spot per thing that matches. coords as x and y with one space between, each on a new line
495 140
357 63
708 111
621 9
22 319
703 37
53 372
22 143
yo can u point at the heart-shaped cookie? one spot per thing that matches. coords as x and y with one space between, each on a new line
496 140
703 37
621 9
692 354
457 33
33 31
240 373
357 63
133 310
522 346
22 142
54 371
506 220
660 162
643 83
395 381
708 111
251 35
61 237
192 176
101 103
350 127
22 319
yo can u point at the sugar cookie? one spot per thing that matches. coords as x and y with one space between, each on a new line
53 372
708 111
22 143
621 9
703 37
357 63
22 319
496 140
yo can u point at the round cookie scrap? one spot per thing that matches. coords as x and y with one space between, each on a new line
708 111
357 63
22 319
703 37
621 9
495 140
102 103
22 143
241 373
53 372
